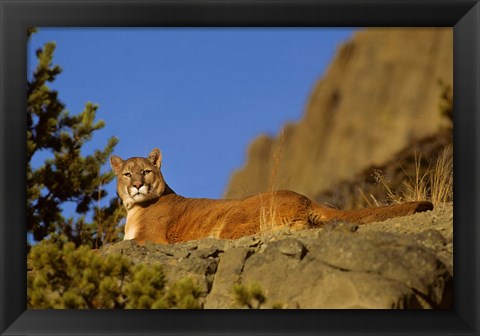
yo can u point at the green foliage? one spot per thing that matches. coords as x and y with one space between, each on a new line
31 31
64 276
184 294
67 175
251 297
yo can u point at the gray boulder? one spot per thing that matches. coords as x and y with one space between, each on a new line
400 263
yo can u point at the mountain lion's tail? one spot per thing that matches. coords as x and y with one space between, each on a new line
320 214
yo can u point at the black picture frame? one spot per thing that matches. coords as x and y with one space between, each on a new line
16 16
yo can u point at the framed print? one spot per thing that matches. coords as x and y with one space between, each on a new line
462 17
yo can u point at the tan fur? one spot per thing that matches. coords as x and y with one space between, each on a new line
162 216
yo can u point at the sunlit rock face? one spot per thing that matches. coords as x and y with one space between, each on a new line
380 92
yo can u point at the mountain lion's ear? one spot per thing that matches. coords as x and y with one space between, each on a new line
155 157
116 163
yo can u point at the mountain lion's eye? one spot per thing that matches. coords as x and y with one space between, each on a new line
145 172
127 174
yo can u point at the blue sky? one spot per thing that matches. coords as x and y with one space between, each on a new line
200 95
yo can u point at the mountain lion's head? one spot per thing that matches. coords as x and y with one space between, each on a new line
139 179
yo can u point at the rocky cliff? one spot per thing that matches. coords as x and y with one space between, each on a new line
400 263
380 92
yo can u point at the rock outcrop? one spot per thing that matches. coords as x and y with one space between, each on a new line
360 190
400 263
380 92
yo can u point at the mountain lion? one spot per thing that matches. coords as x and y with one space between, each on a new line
157 214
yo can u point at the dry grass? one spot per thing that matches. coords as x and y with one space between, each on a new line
433 184
276 160
268 215
268 211
441 180
370 203
417 188
380 178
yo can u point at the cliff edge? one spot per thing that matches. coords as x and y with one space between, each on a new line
380 93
